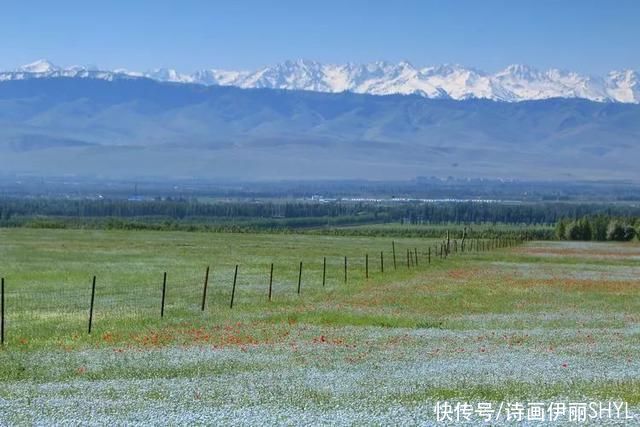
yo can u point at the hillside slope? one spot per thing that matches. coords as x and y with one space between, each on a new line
140 127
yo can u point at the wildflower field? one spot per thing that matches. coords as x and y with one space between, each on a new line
538 322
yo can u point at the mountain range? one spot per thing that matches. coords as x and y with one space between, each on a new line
514 83
119 126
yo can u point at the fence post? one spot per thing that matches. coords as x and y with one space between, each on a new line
408 265
429 255
204 291
324 271
366 266
345 269
164 293
415 251
93 295
381 261
2 311
233 289
393 245
270 281
300 278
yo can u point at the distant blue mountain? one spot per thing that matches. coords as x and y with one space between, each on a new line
137 127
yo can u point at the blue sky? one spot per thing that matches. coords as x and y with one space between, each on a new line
582 35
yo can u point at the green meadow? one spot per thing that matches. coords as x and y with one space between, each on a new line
536 322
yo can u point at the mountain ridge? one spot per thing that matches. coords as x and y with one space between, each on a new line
135 127
513 84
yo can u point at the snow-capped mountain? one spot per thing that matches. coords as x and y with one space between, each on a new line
514 83
45 69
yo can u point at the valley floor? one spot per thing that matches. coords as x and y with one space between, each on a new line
540 324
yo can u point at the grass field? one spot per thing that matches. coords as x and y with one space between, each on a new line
541 322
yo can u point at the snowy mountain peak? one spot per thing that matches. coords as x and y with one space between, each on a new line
39 66
406 65
625 85
168 75
516 82
521 71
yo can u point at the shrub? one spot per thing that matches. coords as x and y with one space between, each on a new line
561 229
599 227
579 230
620 232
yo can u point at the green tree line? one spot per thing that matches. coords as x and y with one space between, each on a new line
251 215
598 228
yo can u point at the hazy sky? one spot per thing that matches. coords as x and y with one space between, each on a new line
587 36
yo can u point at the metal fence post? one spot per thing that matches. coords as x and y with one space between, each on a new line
93 295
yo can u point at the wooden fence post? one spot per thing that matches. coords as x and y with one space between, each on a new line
324 271
93 295
270 281
366 266
300 278
345 269
393 245
415 250
233 289
381 261
408 265
164 292
429 255
2 311
204 291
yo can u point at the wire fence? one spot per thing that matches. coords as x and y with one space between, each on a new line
54 309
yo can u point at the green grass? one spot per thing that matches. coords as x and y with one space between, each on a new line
541 322
49 272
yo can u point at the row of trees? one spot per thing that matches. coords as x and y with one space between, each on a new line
15 212
599 228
